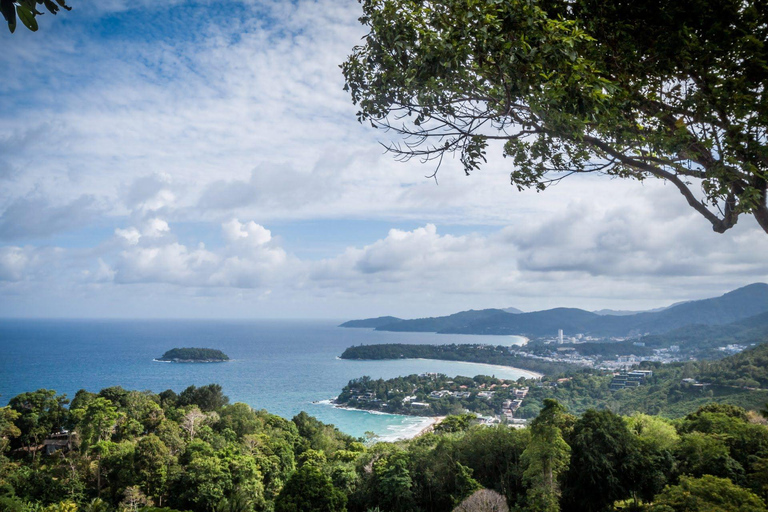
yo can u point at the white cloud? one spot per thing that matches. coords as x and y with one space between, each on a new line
155 227
250 232
27 263
131 235
250 260
175 136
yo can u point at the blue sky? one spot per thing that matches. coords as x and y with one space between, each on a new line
177 159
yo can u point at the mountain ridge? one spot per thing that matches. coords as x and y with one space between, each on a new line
732 306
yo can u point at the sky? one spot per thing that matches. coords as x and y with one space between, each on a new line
201 159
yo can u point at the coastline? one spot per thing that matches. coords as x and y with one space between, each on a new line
525 339
431 427
530 373
427 422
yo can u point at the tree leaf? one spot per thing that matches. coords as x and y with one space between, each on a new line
9 13
27 17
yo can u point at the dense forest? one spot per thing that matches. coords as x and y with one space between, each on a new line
135 450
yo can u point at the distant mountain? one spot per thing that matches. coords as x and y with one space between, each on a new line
733 306
372 323
622 312
513 311
442 323
709 337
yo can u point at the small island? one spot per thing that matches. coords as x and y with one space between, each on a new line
194 355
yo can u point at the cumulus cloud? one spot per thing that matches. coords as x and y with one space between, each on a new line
130 236
25 263
155 227
251 259
250 232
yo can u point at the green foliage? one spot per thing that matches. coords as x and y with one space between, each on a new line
667 90
600 468
309 490
707 494
8 428
242 460
26 11
545 458
40 412
458 423
207 398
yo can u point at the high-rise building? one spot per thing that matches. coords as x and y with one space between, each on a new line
560 336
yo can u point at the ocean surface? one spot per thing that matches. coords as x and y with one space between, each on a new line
282 366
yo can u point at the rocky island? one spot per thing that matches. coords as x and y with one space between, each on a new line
194 355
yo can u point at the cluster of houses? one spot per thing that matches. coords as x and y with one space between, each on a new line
368 398
630 379
510 406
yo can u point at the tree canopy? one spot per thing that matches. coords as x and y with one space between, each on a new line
674 90
26 11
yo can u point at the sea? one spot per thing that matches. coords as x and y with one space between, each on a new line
284 366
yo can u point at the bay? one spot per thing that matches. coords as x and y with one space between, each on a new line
281 366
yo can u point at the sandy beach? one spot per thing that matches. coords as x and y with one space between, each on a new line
430 427
530 374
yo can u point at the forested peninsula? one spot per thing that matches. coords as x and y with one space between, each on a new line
194 355
471 353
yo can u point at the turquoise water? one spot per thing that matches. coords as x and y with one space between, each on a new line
281 366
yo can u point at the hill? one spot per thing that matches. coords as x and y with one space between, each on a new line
731 307
704 341
372 323
449 323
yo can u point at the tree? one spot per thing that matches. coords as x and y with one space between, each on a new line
309 490
456 423
653 461
7 427
483 500
673 90
134 499
707 494
41 412
600 471
192 420
26 10
545 458
152 460
394 482
207 398
97 421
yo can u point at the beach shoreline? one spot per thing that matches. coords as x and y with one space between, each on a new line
431 427
430 421
531 374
